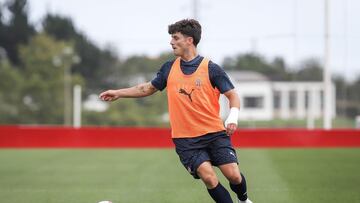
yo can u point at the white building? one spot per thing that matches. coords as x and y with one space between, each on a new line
262 99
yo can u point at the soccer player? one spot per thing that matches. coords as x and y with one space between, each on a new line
194 85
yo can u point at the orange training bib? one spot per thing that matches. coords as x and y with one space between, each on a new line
193 102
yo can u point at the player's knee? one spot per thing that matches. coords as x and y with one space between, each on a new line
210 180
234 177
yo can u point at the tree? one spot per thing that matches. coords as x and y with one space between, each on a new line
61 28
280 70
17 30
131 112
248 61
2 28
11 83
141 67
310 70
353 99
147 111
97 66
276 70
43 94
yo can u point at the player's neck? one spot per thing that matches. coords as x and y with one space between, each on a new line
189 54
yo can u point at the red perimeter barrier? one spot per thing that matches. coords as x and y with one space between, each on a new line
106 137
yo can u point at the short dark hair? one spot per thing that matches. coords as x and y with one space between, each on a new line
188 27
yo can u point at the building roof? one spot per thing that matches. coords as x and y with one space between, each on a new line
246 76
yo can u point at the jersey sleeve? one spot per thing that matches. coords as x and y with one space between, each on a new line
219 78
160 80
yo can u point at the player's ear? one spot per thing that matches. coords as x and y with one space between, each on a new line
190 40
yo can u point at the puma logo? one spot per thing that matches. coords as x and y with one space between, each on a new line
182 91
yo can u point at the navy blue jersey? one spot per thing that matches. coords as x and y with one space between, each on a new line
217 75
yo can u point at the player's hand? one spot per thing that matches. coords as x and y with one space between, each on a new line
109 95
231 128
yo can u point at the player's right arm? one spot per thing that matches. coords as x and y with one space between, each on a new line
140 90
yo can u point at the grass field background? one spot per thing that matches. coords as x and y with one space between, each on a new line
156 176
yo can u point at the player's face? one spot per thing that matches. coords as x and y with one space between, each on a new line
180 43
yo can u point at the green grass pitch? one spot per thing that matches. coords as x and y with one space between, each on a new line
156 176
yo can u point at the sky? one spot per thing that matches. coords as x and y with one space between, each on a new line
292 29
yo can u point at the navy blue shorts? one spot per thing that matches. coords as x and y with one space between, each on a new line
213 147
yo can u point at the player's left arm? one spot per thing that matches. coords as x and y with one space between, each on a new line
232 120
221 80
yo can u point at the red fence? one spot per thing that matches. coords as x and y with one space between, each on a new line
104 137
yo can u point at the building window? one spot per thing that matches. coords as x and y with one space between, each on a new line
292 99
307 99
276 99
254 102
322 99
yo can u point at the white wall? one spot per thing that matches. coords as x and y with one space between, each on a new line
266 90
251 89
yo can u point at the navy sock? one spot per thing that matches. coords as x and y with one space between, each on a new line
220 194
240 189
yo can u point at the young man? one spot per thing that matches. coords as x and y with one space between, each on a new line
193 86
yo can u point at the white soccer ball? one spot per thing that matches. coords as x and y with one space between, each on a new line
105 202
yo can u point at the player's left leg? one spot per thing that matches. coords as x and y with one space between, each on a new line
223 155
236 180
231 172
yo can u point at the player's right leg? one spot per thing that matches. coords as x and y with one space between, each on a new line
207 174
